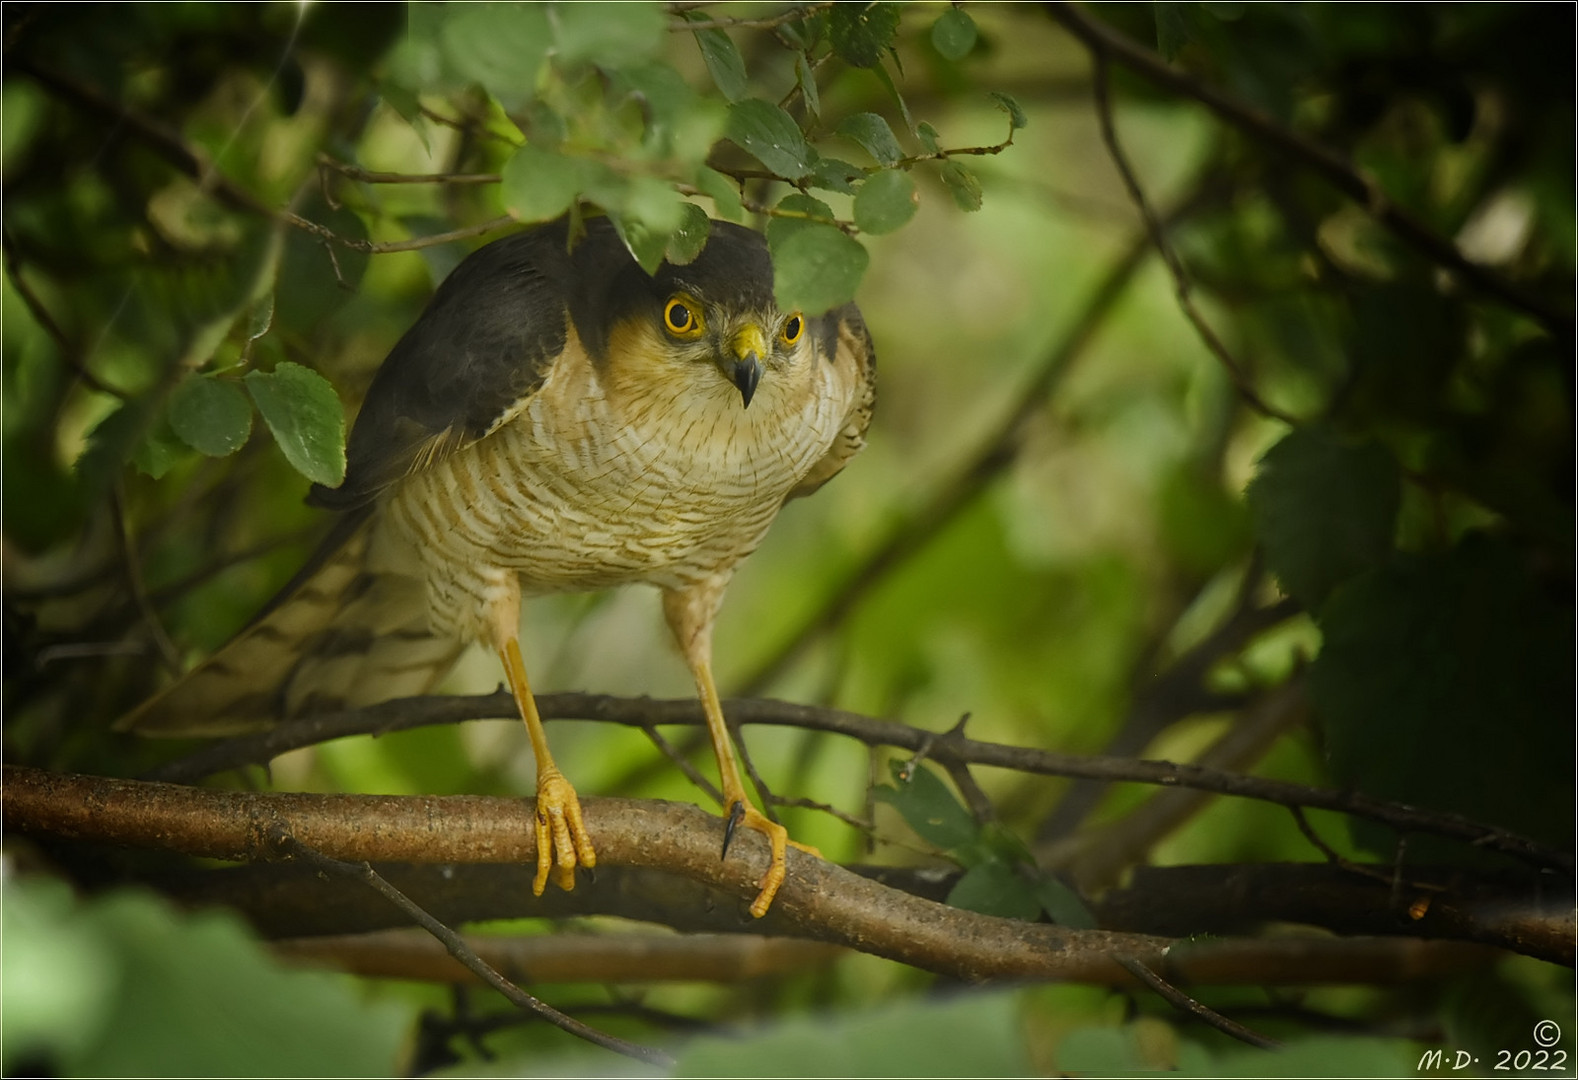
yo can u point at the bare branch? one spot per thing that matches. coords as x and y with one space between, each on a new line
1181 286
457 947
404 713
568 957
819 899
1103 41
1180 1000
368 176
769 22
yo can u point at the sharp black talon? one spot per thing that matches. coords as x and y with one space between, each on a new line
736 815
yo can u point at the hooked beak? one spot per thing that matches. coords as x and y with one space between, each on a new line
744 368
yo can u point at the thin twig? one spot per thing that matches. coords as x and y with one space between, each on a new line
385 247
1180 1000
457 947
770 22
132 567
70 353
405 713
1103 40
1181 285
802 803
369 176
691 772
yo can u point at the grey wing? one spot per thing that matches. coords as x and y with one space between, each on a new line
847 343
484 344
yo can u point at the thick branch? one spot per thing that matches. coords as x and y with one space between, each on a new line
947 747
1515 914
819 899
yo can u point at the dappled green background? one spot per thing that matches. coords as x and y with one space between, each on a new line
1419 516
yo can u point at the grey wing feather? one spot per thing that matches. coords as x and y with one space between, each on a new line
485 342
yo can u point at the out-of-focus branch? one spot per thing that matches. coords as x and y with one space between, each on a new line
1520 913
1095 857
1104 41
943 747
568 957
1182 288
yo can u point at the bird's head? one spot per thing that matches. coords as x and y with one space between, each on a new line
742 343
710 325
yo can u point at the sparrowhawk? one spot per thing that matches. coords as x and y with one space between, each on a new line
556 420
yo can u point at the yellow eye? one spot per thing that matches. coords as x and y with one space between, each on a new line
682 317
793 328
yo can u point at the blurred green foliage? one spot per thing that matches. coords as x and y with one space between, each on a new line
944 166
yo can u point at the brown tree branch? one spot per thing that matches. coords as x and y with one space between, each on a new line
1104 41
567 957
819 899
1517 913
1180 1000
407 713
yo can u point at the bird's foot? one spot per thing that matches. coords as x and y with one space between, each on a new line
743 814
561 833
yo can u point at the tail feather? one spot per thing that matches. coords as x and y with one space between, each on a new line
339 635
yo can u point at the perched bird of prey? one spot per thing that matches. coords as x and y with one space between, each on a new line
556 420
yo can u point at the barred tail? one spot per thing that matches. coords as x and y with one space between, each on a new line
338 636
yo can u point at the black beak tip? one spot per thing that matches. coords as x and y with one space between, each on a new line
747 373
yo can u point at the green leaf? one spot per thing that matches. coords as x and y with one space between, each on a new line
929 807
893 92
689 237
953 34
1172 28
1010 105
314 279
831 174
500 45
860 31
928 137
608 35
992 887
1062 904
805 79
970 1033
539 185
817 268
305 415
724 193
210 415
873 135
647 215
1446 681
806 210
962 185
1324 510
126 985
885 202
160 450
724 63
771 136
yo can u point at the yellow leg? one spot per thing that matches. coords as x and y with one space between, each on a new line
561 834
690 617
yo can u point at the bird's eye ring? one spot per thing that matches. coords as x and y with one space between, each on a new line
793 328
682 317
